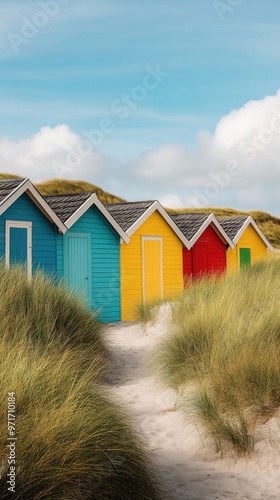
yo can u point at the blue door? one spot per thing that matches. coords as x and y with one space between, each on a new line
18 245
77 263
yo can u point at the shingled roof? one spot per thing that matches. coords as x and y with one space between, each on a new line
232 224
190 223
65 205
7 186
126 214
70 207
12 189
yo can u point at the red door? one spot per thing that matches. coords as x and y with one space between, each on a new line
200 260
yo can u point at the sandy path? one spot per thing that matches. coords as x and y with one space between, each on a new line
186 472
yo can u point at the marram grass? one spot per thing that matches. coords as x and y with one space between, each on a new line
72 442
224 340
49 315
148 313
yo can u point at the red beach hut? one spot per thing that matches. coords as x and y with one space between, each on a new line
209 243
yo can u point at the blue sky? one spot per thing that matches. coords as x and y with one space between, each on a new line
216 57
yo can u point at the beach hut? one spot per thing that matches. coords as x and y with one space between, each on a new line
250 244
28 227
151 264
88 254
209 243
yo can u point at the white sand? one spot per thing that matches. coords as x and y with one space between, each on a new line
187 471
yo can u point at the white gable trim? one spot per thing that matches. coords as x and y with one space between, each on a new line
27 187
251 221
211 219
12 197
157 206
93 200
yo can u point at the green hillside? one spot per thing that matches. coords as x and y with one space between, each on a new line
64 186
269 224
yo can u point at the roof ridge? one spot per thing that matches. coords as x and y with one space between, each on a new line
18 179
192 213
130 202
68 194
219 217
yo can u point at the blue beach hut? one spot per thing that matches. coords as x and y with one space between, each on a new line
28 227
88 254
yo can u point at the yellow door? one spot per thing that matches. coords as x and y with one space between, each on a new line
152 269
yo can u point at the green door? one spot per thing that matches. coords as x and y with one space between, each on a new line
245 257
77 263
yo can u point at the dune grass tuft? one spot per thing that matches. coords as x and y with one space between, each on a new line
49 314
73 441
148 313
224 341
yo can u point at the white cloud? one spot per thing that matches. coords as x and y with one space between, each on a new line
165 163
244 123
172 201
49 153
238 165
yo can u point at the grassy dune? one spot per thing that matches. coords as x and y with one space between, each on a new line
269 224
9 176
223 355
63 186
73 441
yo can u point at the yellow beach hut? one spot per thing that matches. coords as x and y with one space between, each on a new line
250 243
151 264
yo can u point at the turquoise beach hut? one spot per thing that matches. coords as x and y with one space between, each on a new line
88 254
28 227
